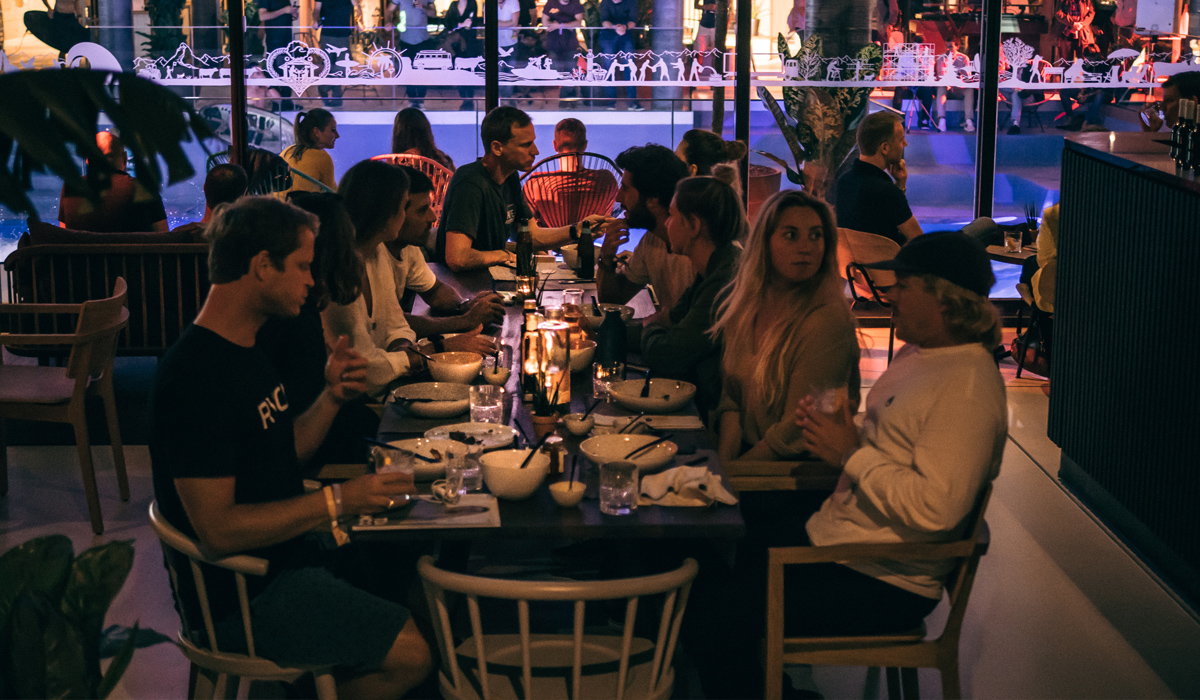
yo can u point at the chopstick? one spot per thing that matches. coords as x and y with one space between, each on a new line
648 445
381 443
631 423
535 448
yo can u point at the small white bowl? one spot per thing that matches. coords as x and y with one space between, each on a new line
567 494
591 322
581 354
666 395
577 424
504 477
603 449
460 367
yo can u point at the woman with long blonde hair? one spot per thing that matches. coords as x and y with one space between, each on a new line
786 328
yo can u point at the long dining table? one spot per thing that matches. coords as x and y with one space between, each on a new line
539 516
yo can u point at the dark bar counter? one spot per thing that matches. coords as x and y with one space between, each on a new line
1125 377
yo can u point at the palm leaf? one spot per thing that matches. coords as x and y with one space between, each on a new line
44 111
789 135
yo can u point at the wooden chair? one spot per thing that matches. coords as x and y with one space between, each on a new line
59 394
905 652
568 187
754 475
856 249
575 665
434 170
218 673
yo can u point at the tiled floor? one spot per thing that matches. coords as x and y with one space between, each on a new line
1059 609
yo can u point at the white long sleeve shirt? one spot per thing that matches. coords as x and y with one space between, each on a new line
372 333
933 437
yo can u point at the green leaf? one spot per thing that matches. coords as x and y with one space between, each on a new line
41 655
782 44
119 663
768 100
96 578
791 174
41 565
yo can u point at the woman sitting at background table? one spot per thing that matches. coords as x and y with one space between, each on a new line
786 328
315 131
412 134
706 217
705 153
296 345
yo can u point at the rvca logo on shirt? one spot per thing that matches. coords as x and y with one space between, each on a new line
274 403
510 215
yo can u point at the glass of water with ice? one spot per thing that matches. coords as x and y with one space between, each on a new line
487 403
618 488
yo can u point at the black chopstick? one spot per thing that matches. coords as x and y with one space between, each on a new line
648 445
381 443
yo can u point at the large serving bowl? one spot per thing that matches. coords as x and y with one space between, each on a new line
504 477
591 322
428 471
458 367
570 254
603 449
666 395
433 399
582 351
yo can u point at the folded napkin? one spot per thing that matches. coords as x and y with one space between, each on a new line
684 486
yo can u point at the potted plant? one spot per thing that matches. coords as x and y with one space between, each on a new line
544 408
819 123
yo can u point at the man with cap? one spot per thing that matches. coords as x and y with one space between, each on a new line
930 443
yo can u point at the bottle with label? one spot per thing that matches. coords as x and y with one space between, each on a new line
525 263
587 253
610 343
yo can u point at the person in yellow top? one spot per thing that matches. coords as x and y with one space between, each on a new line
316 131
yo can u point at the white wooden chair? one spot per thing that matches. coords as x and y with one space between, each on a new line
856 249
901 654
550 665
219 671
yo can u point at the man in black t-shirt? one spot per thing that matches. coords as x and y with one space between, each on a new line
871 196
336 19
484 204
226 451
125 206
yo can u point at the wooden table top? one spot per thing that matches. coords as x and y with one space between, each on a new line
999 254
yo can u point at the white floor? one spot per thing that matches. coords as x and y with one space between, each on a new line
1059 609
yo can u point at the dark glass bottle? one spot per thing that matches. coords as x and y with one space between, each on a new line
1193 155
610 345
587 253
1176 134
525 264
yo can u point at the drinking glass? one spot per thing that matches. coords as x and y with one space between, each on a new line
618 488
487 403
572 300
603 376
1012 241
454 480
554 313
526 286
498 368
387 460
472 470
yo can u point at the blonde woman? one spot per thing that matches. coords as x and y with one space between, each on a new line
315 131
787 330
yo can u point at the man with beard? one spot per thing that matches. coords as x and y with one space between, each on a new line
648 181
871 196
465 317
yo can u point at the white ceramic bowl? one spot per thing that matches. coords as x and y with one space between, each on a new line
567 494
451 398
666 395
613 448
504 477
458 367
581 354
427 471
577 424
591 322
570 254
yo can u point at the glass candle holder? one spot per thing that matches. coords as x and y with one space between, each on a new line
526 286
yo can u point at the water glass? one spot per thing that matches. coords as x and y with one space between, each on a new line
449 490
1012 241
526 286
618 488
387 460
604 374
470 468
487 403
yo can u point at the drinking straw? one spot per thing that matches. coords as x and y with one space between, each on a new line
595 403
574 467
535 449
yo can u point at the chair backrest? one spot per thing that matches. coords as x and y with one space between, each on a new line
100 321
568 187
766 475
240 565
673 585
857 248
434 170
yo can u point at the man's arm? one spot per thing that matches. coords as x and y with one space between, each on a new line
910 229
460 256
345 379
485 308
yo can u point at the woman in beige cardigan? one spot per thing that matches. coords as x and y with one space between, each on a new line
787 329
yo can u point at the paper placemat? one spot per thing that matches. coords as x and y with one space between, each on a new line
427 514
556 270
682 420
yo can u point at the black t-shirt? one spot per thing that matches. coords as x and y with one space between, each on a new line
219 410
486 211
279 29
125 207
337 17
868 200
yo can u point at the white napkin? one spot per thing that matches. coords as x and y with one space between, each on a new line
684 486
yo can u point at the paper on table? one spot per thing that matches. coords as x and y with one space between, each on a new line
608 414
557 271
427 514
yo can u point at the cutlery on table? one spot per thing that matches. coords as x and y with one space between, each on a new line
646 387
629 426
534 449
595 306
418 455
648 445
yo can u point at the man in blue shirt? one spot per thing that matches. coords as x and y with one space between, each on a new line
618 17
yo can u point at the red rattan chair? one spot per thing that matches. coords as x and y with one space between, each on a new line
437 172
565 188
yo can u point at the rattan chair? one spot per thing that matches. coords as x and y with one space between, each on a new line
901 654
218 673
566 188
59 394
856 249
435 171
552 665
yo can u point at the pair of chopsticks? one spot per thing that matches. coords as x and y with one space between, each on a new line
630 424
648 445
381 443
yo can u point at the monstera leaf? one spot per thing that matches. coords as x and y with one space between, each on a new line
45 111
